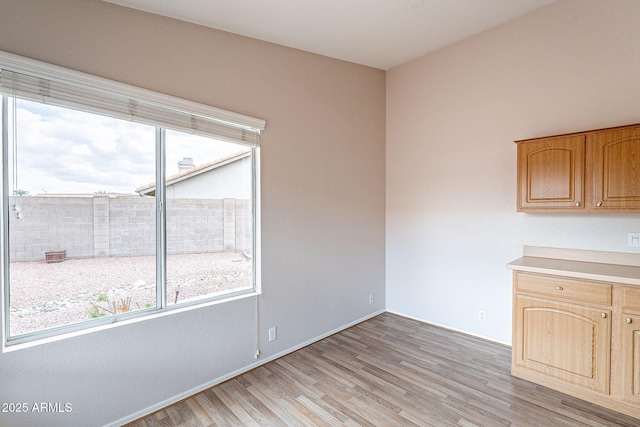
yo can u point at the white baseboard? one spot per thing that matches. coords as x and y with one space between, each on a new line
175 399
419 319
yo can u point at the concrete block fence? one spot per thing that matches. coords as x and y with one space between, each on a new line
103 226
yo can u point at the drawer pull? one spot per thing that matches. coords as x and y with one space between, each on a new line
629 320
559 288
604 315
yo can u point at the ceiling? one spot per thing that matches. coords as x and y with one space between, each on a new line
377 33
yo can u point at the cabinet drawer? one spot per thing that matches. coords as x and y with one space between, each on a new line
631 297
564 288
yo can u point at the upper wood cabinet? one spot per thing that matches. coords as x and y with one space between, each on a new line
592 171
551 173
615 155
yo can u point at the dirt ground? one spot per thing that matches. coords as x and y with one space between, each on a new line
44 295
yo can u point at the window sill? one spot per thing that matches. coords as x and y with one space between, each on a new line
40 338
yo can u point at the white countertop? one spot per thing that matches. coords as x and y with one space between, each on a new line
616 267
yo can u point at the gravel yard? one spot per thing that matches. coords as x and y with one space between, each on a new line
45 295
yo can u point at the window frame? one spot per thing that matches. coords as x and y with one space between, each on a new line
15 63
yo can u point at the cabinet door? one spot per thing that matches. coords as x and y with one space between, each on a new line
615 163
566 342
550 173
631 358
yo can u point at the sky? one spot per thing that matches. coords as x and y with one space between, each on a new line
63 151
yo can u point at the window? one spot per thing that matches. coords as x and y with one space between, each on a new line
119 202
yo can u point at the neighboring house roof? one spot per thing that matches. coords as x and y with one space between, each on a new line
150 189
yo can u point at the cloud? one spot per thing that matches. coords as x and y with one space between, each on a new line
63 151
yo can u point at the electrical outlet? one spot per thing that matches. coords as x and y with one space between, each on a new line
482 315
634 240
370 298
273 334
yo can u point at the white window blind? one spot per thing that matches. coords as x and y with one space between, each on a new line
35 81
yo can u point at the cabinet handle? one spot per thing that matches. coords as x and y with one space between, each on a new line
559 288
578 204
629 320
604 315
599 204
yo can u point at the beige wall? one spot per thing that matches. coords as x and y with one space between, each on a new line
323 195
451 163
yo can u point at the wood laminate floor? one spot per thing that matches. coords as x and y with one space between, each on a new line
386 371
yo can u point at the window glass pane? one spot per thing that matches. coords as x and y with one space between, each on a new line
209 217
81 240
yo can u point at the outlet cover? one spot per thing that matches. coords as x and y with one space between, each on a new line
273 334
634 240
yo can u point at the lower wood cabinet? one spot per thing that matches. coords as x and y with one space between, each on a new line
631 358
586 344
567 342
